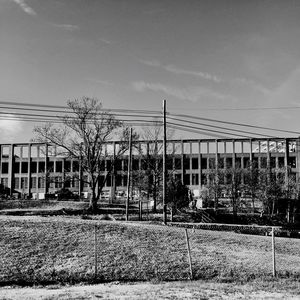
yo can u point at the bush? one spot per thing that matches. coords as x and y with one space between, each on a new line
66 194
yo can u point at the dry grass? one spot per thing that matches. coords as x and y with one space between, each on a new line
61 250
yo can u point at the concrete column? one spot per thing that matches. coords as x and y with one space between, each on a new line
268 154
10 169
298 161
233 154
199 165
46 169
286 159
29 170
182 155
251 152
190 159
217 155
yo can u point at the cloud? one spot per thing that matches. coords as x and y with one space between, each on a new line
105 41
9 128
26 8
175 70
254 85
236 81
67 26
103 82
192 93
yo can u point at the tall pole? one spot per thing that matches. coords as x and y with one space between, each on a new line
164 165
129 173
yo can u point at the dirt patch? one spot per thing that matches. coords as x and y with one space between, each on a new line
169 290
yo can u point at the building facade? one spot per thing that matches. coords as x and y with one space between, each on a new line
34 169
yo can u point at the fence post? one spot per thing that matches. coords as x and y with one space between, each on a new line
95 253
273 252
189 253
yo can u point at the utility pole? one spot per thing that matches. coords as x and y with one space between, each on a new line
129 173
164 165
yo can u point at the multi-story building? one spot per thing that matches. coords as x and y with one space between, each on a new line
34 169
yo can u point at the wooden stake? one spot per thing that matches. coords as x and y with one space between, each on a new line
189 254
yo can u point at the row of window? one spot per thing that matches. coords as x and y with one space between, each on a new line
40 166
193 163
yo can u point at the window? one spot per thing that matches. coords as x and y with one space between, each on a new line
41 183
75 182
33 166
263 162
41 166
292 162
17 183
204 163
281 162
50 166
255 162
118 180
228 162
194 163
169 163
203 179
4 168
186 163
67 183
108 165
58 166
212 163
186 179
67 166
178 163
58 182
273 162
24 182
24 167
4 182
125 180
108 181
195 179
33 182
5 152
221 163
246 162
75 166
238 162
135 164
118 165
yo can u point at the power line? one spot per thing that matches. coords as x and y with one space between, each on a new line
68 108
247 108
205 129
233 123
124 113
218 127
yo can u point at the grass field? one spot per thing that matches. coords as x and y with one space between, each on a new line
44 250
177 290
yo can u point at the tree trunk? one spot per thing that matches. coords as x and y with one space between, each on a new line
154 196
273 208
216 202
93 207
253 202
234 209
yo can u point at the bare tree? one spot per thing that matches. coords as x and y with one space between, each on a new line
234 187
83 135
215 185
152 161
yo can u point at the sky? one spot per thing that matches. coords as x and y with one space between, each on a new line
230 60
